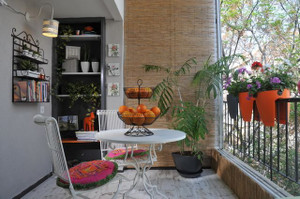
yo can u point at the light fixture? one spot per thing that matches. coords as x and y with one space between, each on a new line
50 26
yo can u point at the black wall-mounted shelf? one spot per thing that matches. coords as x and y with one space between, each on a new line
29 83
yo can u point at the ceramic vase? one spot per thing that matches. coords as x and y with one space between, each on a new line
95 66
85 65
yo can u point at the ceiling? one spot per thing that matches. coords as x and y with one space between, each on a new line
80 8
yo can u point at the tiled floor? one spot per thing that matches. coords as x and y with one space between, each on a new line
170 183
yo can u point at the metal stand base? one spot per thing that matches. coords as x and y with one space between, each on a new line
141 168
138 131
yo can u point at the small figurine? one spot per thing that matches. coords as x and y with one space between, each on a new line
88 122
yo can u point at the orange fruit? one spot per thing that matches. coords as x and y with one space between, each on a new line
141 108
132 110
145 92
138 119
127 117
155 110
122 109
149 117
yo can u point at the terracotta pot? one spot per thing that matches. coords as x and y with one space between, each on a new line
267 107
246 106
233 103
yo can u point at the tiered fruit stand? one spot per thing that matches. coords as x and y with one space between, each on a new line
137 123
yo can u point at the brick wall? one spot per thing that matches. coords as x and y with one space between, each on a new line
168 32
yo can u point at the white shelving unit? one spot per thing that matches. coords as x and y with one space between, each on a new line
82 37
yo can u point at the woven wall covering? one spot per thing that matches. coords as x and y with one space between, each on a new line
168 32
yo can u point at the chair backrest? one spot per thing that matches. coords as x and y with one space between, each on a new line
108 120
59 162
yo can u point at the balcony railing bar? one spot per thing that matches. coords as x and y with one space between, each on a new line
256 141
296 141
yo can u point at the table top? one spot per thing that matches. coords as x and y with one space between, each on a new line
160 136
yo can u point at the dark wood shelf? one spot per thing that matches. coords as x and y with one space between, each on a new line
75 141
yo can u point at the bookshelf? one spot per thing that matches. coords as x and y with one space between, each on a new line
29 82
82 150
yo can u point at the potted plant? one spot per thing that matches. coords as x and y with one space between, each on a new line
25 50
88 93
85 64
189 116
275 83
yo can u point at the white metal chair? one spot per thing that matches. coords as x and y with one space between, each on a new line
109 120
59 163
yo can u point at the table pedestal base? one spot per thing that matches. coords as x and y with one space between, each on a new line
141 169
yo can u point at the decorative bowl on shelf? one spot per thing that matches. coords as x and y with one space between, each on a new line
136 92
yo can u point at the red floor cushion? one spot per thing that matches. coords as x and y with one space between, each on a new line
90 174
118 154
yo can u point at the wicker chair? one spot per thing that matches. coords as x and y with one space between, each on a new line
80 180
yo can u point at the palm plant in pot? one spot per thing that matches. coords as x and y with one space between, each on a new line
189 116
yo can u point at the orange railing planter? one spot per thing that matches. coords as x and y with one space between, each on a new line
267 108
246 106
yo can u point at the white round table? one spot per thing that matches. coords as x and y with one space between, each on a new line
160 136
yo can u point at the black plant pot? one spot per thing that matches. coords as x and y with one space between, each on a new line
233 103
187 165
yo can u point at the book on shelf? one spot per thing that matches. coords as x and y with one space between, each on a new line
31 91
86 135
20 91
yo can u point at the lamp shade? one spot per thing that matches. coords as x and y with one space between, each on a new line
50 27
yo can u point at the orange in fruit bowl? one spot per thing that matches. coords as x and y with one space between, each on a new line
138 119
149 117
127 117
132 110
155 110
144 92
122 109
141 108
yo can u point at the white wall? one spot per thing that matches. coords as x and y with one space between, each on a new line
24 155
114 34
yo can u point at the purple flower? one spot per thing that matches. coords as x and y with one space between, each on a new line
242 70
258 84
249 86
275 80
227 82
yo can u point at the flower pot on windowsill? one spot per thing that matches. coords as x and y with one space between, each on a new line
85 66
246 106
233 103
267 107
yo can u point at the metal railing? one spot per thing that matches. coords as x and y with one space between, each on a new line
275 149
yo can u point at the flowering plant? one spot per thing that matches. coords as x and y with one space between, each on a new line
237 82
273 78
260 79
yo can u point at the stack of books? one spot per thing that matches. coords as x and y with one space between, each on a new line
86 135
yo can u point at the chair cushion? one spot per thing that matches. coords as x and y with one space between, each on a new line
90 174
118 154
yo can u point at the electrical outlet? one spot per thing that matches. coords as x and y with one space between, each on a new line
42 109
